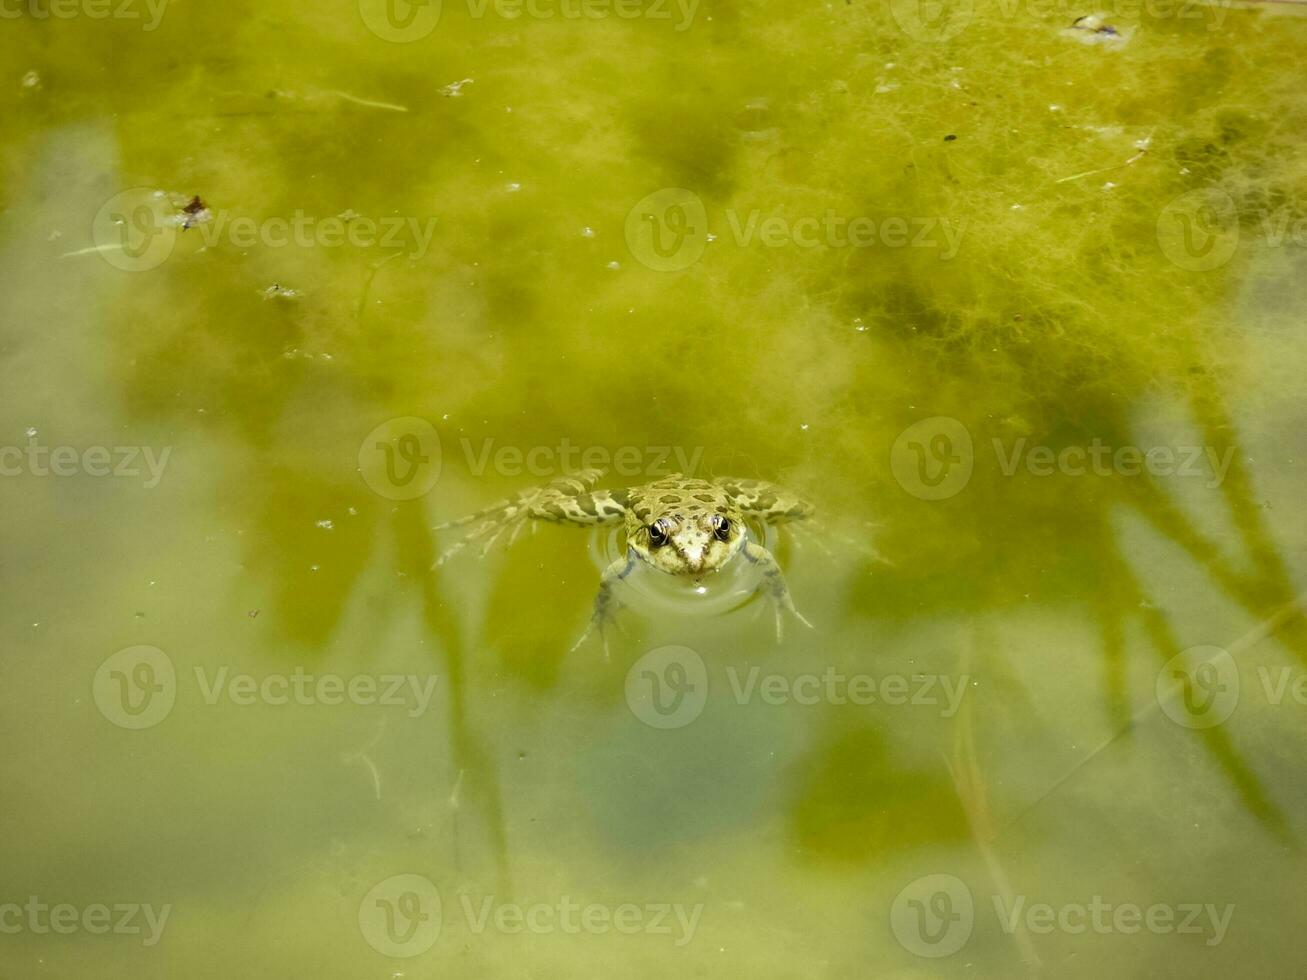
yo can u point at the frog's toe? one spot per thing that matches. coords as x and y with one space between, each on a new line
586 634
801 618
781 607
599 622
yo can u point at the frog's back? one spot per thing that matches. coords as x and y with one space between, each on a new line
678 495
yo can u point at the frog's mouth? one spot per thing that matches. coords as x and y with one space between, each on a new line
697 578
700 592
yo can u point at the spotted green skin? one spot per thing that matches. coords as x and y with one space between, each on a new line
702 523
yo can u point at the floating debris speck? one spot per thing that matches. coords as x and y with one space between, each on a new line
195 212
454 90
1094 29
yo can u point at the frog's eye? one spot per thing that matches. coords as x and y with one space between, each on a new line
658 533
721 527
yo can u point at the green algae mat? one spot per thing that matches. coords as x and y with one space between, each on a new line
1003 303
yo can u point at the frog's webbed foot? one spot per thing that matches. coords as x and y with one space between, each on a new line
511 515
507 516
777 590
606 604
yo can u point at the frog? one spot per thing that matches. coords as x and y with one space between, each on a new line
678 525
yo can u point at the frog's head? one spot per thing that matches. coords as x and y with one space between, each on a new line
688 543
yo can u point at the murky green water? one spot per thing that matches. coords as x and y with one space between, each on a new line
1018 305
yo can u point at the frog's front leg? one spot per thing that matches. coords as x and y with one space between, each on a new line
605 602
569 500
774 582
765 501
